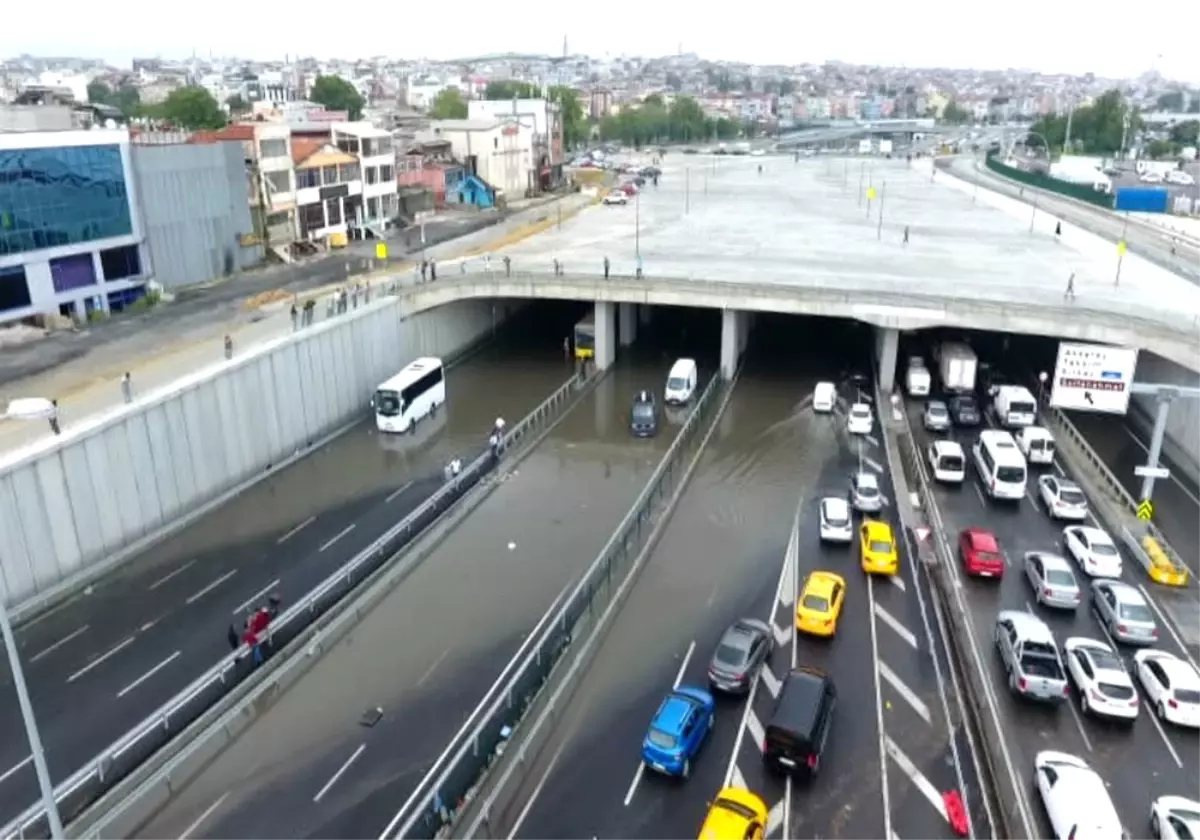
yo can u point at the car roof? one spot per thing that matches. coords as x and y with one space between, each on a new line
835 504
672 712
860 407
935 404
1029 626
1092 534
799 699
875 529
740 635
1124 592
644 396
947 447
1182 674
1061 480
982 539
866 479
1054 561
1093 646
822 583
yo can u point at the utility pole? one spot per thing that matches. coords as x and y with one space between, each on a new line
637 224
1067 140
862 173
687 190
1034 214
882 194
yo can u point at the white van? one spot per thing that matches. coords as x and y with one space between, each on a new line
947 461
1014 407
1036 444
1000 465
681 382
918 380
824 397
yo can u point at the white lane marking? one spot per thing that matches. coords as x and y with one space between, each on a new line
537 790
872 463
637 778
343 533
148 674
774 819
1075 716
916 777
905 692
433 667
208 812
755 728
897 582
880 733
198 595
978 493
295 530
895 836
771 682
44 652
104 657
171 575
242 606
397 492
16 768
340 772
712 597
738 780
783 635
871 440
787 807
894 623
683 665
1154 719
1170 625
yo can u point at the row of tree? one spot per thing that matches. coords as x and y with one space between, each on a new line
656 122
1100 128
193 108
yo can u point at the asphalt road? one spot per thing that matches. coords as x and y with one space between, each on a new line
1139 764
720 559
427 654
102 662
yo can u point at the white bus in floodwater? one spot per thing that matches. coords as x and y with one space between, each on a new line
410 395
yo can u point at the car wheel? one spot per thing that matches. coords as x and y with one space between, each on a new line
1012 681
1160 710
687 768
1155 828
1083 703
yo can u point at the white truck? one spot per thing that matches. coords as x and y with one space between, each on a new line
885 147
957 365
1085 175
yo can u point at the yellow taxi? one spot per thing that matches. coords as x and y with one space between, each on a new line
878 547
735 814
820 604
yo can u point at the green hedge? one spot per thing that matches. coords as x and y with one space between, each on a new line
1045 182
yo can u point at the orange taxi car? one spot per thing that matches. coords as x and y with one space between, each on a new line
820 604
736 814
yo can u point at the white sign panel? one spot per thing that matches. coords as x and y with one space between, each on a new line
1093 377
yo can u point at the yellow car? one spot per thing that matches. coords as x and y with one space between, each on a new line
878 548
820 604
735 814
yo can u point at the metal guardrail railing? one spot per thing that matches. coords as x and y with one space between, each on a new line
116 762
457 771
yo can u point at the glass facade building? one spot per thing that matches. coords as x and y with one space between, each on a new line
55 196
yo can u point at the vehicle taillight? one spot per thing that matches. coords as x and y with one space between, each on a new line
1121 628
1049 593
1154 633
1022 683
812 761
1173 703
1134 701
764 746
1066 690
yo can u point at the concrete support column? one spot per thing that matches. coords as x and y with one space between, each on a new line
626 323
887 344
733 340
606 335
644 311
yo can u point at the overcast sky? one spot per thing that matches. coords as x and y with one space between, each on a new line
1047 35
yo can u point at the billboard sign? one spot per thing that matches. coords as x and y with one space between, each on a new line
1093 377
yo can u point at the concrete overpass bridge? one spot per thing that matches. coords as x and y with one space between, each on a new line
836 130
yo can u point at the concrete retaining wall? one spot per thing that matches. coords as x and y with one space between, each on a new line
74 506
1182 444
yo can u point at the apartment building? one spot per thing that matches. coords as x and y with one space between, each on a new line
329 188
543 120
498 151
374 150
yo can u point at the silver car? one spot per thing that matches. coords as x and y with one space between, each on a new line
1052 579
1124 612
864 493
936 416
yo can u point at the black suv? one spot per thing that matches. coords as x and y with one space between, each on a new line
643 416
800 725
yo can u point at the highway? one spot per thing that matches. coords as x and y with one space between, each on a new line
1139 764
103 661
428 652
731 550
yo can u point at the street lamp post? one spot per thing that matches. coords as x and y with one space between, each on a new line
637 225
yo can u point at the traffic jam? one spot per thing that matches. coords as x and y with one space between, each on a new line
1097 693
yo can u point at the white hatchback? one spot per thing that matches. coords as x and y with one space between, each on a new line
1075 797
860 421
836 525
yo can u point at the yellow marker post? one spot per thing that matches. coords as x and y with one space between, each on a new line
870 193
1145 510
381 250
1121 248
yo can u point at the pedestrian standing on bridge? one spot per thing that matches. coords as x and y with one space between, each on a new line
1058 231
54 426
127 388
556 266
567 348
424 270
606 266
507 266
228 346
1069 294
432 270
295 316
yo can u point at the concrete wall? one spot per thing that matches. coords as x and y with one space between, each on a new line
1182 445
104 490
194 201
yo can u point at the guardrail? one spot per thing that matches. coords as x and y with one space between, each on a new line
115 763
434 802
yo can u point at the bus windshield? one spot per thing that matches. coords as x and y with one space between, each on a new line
387 403
585 338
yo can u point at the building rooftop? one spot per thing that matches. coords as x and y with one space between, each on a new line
463 125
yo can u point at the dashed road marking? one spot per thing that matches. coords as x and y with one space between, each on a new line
737 780
771 682
874 441
894 623
872 463
783 635
898 582
755 728
775 818
916 777
904 691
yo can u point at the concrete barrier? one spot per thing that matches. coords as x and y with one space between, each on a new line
76 505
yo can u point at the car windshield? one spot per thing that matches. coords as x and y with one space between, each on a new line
643 411
815 603
728 654
867 489
1010 475
835 517
1071 496
387 403
1136 612
936 410
950 462
735 807
988 557
1103 549
1105 660
676 383
880 546
1059 577
1187 695
662 740
1115 692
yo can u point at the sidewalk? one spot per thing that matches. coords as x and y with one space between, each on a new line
157 353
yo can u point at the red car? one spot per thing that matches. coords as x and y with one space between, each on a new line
980 553
629 188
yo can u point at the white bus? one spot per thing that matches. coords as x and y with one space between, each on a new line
410 395
1000 465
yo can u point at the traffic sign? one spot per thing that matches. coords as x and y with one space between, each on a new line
1093 377
1145 510
1152 472
922 533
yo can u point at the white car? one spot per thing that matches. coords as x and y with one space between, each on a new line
1172 685
1093 550
616 197
1178 176
1151 178
1175 818
1062 498
860 420
1075 797
836 525
1101 681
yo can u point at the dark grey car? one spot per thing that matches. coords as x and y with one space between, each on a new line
739 656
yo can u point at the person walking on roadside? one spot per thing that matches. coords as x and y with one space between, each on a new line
906 234
556 266
310 306
567 348
1058 231
54 426
606 267
295 316
228 346
1069 294
424 270
432 271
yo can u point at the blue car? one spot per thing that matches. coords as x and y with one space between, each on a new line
678 729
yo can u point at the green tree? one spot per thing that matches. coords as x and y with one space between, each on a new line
511 90
786 87
237 105
448 105
126 97
336 94
1095 129
1185 133
192 108
1172 101
955 115
575 127
1158 149
652 122
99 93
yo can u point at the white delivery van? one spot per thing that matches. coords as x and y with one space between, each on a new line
948 461
918 380
1000 465
681 382
1014 407
1036 444
824 397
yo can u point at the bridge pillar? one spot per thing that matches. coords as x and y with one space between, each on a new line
887 345
644 311
606 334
735 327
626 323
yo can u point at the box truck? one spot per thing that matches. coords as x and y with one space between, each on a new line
956 366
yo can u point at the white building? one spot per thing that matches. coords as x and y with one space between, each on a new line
71 234
543 119
329 189
499 152
376 154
